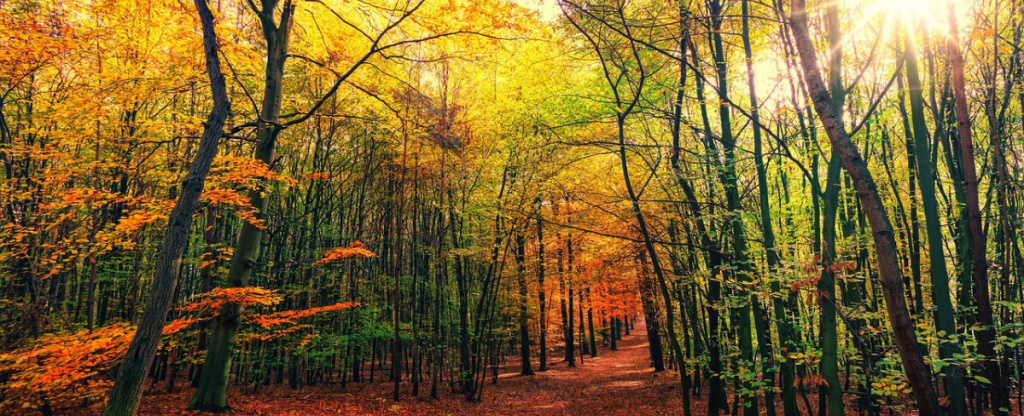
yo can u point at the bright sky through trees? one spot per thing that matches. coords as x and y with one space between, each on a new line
547 9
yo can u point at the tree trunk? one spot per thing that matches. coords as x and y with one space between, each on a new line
541 296
127 390
567 299
979 263
211 393
832 392
764 337
651 316
524 325
917 371
590 324
945 320
732 196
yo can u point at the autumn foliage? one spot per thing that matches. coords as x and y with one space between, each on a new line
244 296
354 249
63 367
60 369
275 320
799 212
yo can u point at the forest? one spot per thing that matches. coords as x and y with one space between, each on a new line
544 207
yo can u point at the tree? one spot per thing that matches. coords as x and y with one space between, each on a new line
979 262
885 245
127 391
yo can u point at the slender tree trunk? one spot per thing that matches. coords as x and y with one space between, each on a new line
832 392
945 320
568 317
732 196
717 396
651 316
764 338
542 296
524 324
211 394
127 390
396 309
915 228
583 329
979 269
590 324
917 371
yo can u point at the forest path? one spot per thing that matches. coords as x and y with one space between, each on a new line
613 383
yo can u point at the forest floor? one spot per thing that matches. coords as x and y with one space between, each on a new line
614 383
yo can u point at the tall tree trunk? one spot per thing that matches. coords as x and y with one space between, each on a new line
590 324
945 320
732 195
396 308
567 316
524 324
915 228
211 394
127 390
542 296
832 392
717 396
769 235
465 344
651 316
979 263
918 374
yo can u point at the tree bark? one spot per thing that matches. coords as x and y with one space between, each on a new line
945 321
127 390
979 263
647 296
831 393
918 374
542 296
524 325
211 394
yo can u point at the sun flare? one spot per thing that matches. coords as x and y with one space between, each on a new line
928 12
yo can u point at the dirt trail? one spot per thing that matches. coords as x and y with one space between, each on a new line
614 383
